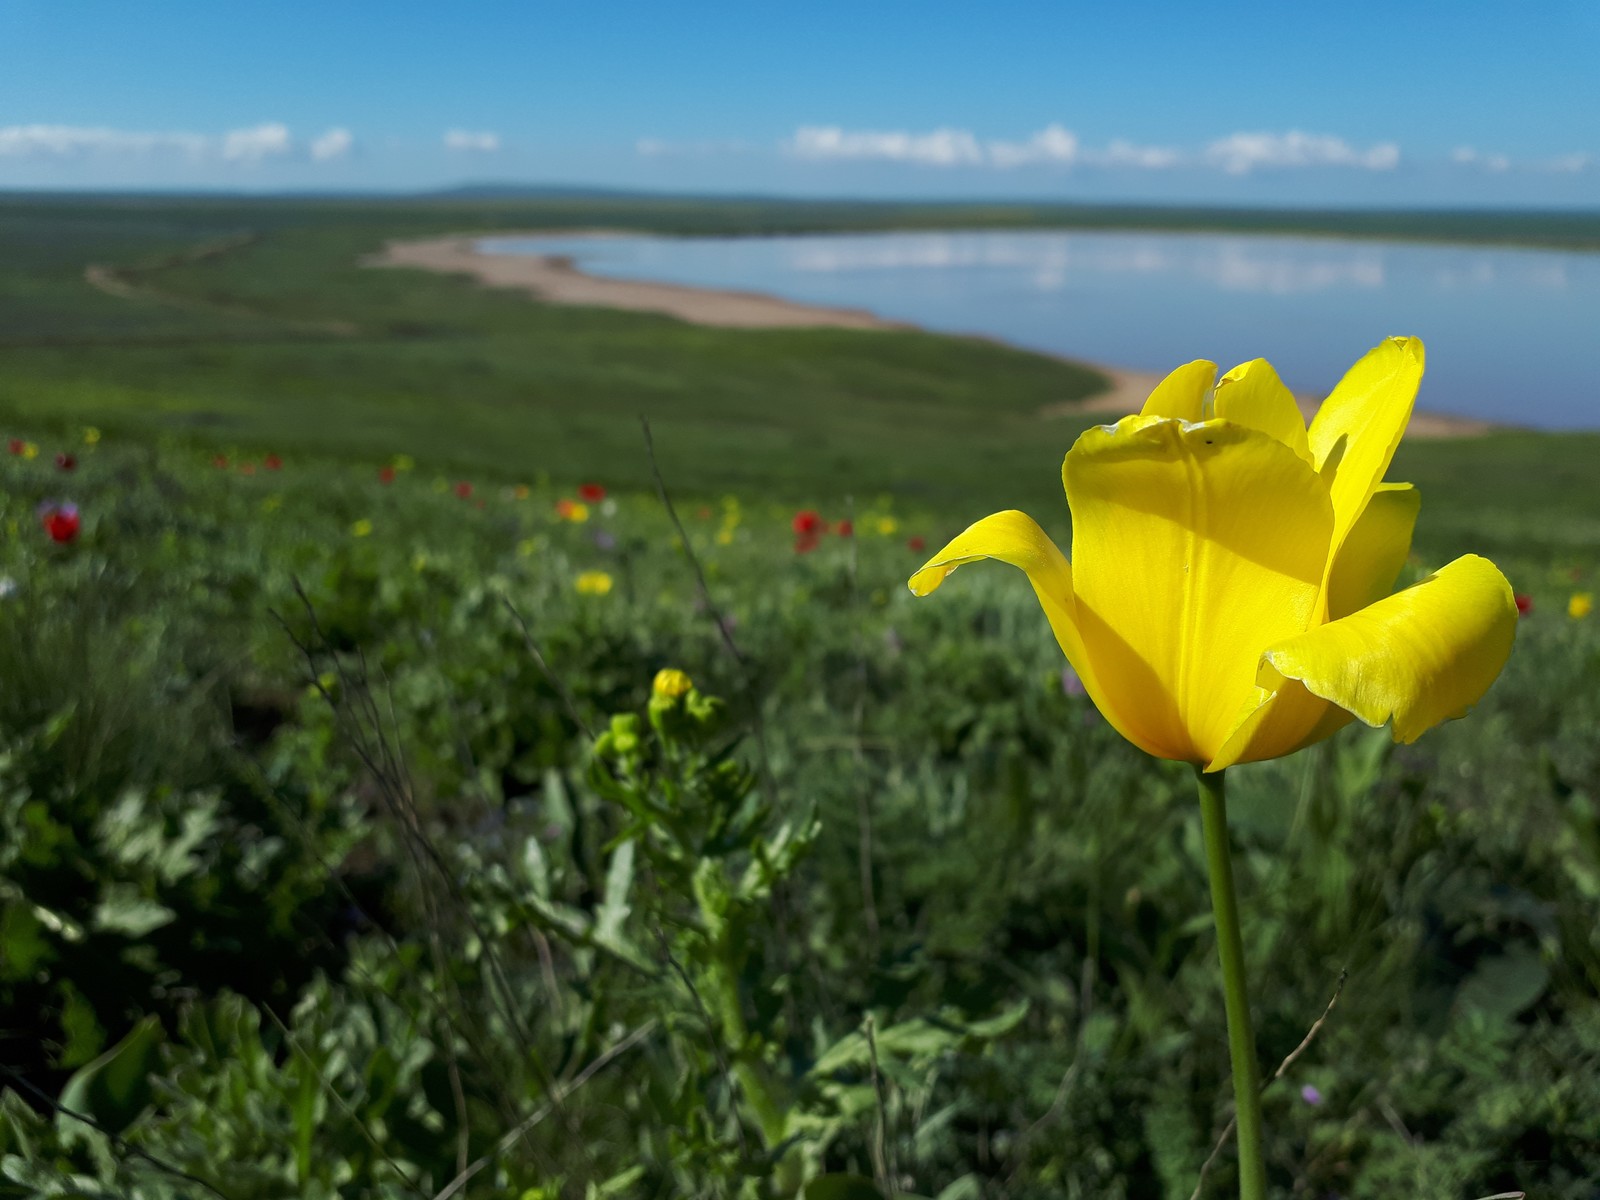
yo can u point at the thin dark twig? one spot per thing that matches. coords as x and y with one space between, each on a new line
864 854
712 1033
1289 1061
688 550
1068 1077
121 1143
567 701
544 1110
344 1105
880 1140
397 796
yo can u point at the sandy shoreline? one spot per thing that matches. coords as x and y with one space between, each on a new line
556 280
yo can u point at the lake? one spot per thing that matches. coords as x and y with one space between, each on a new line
1513 335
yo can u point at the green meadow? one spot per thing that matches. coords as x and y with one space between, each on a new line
346 851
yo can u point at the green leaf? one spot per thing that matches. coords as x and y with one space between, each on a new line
619 880
965 1188
123 910
115 1088
842 1187
1000 1024
1504 985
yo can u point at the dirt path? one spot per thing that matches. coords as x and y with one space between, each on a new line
556 280
125 283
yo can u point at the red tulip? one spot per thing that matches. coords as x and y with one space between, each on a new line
1524 603
845 528
464 489
591 493
807 523
61 522
385 475
272 463
15 445
65 461
220 462
916 544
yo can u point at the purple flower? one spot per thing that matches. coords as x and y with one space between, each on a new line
1310 1095
1071 685
604 540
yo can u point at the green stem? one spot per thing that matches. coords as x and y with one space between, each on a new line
1241 1038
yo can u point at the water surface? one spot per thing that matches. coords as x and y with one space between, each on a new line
1513 335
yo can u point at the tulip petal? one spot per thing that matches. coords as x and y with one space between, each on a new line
1422 656
1370 559
1252 394
1355 432
1195 548
1015 538
1273 723
1182 393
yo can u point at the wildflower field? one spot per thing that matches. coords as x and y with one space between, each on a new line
420 779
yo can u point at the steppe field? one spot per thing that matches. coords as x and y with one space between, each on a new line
348 850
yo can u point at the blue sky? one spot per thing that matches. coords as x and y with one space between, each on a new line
1351 104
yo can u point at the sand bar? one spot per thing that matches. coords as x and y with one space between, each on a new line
555 279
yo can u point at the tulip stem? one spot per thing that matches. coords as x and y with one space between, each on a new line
1241 1037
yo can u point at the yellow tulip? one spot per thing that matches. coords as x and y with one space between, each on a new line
1228 599
361 528
1580 605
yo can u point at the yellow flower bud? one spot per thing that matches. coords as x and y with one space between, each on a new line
670 683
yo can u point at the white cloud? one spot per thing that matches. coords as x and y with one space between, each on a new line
1238 154
941 148
67 141
254 144
1052 144
1470 156
465 139
1571 164
334 144
246 147
1125 154
1241 153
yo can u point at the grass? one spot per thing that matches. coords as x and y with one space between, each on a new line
315 882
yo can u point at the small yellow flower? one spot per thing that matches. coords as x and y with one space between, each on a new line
30 450
887 526
724 537
1581 605
593 583
91 436
670 683
575 511
362 528
403 462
